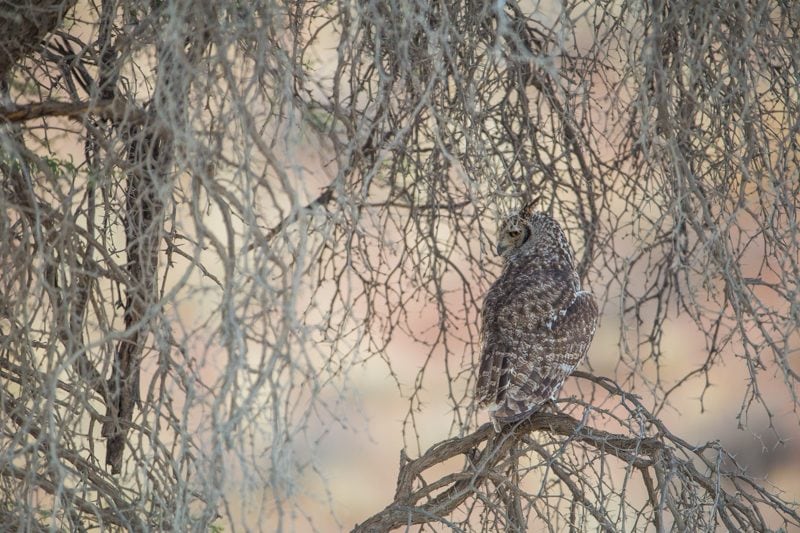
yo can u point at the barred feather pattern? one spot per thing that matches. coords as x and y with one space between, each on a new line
537 323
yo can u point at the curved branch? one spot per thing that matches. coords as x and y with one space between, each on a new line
406 508
486 453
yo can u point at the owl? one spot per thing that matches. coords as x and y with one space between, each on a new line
537 323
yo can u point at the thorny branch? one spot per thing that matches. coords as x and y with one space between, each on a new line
420 498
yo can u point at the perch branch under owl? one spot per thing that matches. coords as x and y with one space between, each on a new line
653 453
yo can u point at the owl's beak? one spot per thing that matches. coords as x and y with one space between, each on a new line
501 247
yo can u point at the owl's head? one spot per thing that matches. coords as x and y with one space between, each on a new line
530 232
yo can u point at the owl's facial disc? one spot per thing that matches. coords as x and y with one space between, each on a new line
512 234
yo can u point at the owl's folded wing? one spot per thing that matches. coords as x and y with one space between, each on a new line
526 361
517 314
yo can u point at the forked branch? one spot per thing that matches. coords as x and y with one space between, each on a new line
691 489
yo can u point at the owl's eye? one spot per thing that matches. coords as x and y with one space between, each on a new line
514 233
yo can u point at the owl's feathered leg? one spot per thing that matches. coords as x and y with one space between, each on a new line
505 415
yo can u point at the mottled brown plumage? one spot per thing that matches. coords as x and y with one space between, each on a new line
537 323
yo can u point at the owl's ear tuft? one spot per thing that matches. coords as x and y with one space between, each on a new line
528 210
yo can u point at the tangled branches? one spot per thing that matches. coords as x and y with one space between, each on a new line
213 215
696 488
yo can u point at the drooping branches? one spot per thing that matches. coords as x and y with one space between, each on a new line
225 211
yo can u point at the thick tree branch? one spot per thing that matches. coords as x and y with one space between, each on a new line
408 506
485 452
150 157
116 110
